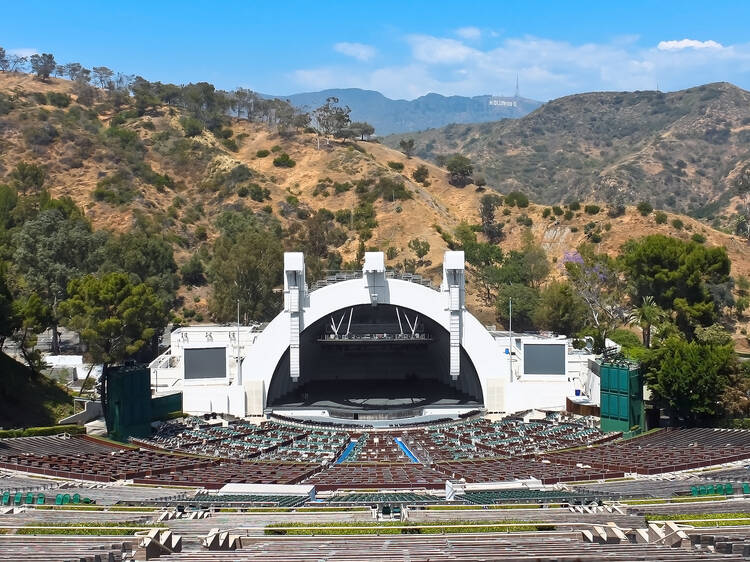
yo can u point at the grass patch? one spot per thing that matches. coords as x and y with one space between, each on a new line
122 508
28 400
703 519
85 528
690 499
288 509
482 507
405 528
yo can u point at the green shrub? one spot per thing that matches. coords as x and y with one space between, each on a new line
392 190
592 209
574 206
243 191
116 189
284 161
191 126
398 166
262 153
557 210
58 99
660 217
230 144
524 220
421 173
341 187
616 211
275 148
698 238
645 208
343 216
678 224
516 199
258 193
546 212
41 136
42 431
568 215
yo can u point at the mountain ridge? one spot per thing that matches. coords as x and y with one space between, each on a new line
85 161
428 111
679 150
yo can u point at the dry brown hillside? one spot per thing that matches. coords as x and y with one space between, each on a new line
105 170
679 150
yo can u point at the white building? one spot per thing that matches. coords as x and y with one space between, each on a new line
369 345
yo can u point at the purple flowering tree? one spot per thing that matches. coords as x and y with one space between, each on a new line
597 280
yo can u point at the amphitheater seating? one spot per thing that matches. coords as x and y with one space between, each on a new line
248 500
63 548
388 476
664 451
492 470
489 497
499 547
391 498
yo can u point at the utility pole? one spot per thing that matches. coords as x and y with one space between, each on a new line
510 337
238 378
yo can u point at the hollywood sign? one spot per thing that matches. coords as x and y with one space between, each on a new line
503 103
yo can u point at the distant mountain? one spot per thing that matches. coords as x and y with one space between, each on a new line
433 110
681 150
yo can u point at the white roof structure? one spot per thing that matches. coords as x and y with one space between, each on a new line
373 326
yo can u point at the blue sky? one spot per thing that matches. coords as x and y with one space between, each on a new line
403 49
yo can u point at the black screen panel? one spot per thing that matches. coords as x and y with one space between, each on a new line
206 363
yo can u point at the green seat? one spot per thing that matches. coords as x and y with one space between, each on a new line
728 489
58 499
76 498
702 491
66 499
694 491
40 499
719 489
30 498
6 498
88 500
745 488
18 498
710 490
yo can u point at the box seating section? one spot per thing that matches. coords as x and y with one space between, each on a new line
248 500
363 475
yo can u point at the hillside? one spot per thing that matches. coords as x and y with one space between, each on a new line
30 401
104 168
432 110
679 150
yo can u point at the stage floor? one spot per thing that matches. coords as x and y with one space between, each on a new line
375 395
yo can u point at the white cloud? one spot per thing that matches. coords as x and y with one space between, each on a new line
23 51
546 68
688 44
470 33
359 51
436 50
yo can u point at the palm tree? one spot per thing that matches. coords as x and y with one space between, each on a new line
646 315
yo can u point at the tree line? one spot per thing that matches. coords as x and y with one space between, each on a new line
207 105
679 294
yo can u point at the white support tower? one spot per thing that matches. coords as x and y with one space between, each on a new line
453 290
295 294
373 273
